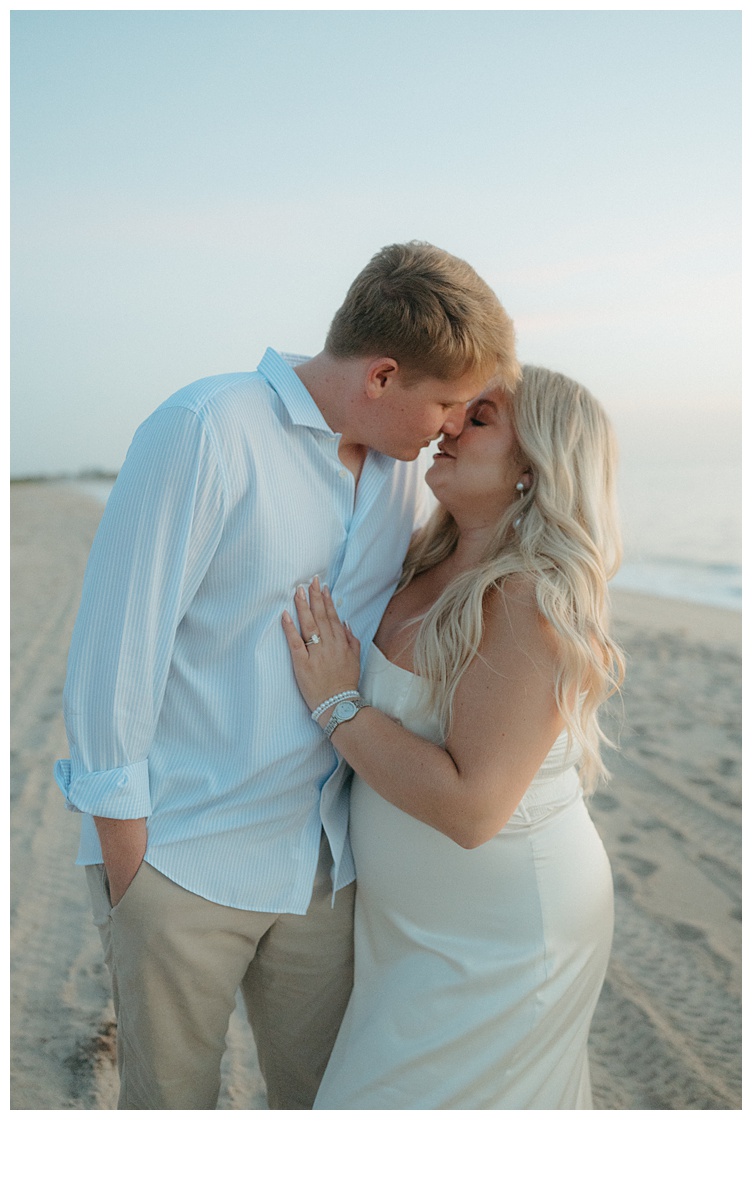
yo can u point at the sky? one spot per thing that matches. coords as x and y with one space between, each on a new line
191 186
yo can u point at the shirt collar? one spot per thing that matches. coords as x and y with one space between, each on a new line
278 372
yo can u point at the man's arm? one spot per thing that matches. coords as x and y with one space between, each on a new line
158 534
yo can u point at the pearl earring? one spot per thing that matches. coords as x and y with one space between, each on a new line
520 489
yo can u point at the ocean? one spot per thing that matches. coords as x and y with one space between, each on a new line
682 536
682 530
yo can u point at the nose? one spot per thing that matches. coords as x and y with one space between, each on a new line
455 421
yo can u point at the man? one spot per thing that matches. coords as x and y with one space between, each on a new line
215 811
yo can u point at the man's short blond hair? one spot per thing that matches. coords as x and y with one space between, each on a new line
429 311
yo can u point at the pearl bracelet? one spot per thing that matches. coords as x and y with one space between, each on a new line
332 700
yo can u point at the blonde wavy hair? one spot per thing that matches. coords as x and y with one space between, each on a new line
563 535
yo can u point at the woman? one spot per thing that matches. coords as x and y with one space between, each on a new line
484 906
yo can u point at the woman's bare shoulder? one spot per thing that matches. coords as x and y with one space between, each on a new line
511 600
512 610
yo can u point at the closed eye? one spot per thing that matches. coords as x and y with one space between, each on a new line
475 421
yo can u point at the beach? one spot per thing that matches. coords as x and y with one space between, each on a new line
667 1030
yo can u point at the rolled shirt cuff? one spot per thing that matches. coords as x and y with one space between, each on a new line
121 793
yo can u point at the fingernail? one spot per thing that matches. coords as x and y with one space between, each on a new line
286 616
301 591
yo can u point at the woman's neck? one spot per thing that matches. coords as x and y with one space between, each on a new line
471 546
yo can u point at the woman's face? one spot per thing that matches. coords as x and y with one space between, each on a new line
476 473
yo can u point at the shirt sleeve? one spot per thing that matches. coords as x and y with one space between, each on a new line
160 529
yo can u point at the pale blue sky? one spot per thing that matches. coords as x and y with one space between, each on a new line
191 186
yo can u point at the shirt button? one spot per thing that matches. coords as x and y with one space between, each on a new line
338 601
343 474
123 781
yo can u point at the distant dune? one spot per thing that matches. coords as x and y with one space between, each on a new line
63 477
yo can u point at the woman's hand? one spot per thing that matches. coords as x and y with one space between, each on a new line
332 663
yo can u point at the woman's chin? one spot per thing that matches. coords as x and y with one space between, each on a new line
434 480
437 466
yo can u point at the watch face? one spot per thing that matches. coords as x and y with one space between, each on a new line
345 710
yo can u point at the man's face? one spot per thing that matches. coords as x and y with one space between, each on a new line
407 418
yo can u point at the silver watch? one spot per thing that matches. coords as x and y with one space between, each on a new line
344 711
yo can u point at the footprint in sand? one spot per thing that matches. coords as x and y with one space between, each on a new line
688 933
604 803
639 866
727 766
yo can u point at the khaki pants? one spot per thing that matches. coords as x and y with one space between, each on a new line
177 961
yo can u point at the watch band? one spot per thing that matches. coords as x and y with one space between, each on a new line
345 710
325 704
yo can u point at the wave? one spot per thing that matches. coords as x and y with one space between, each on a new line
718 584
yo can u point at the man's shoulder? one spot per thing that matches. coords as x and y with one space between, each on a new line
209 396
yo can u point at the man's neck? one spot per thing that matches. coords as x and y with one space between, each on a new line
327 381
330 382
352 456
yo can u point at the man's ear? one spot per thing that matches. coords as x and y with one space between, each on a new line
380 373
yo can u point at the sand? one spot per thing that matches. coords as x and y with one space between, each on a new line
667 1030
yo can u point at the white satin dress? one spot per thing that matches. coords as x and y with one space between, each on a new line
476 971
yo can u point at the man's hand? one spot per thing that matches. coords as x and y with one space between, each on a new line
123 848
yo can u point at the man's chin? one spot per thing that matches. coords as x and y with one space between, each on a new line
406 455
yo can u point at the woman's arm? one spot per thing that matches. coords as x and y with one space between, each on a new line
505 718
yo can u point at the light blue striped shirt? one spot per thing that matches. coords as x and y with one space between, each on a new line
180 701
